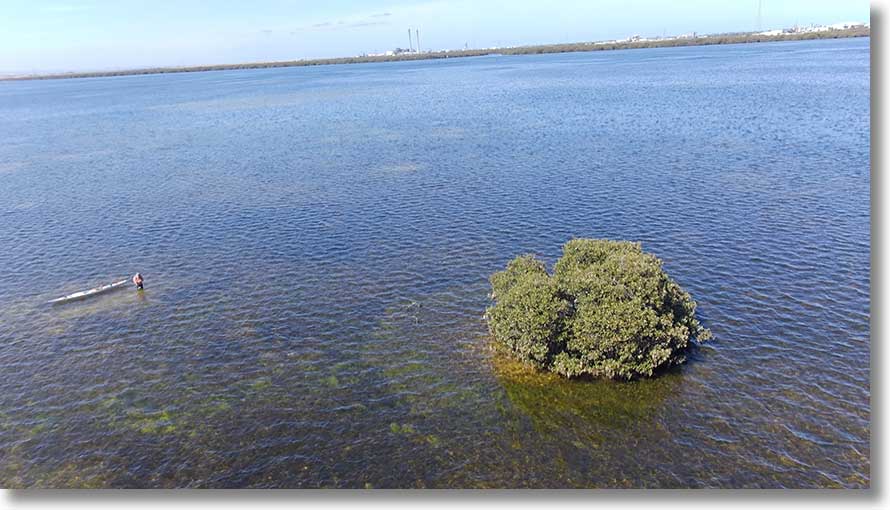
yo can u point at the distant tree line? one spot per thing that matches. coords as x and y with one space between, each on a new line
739 38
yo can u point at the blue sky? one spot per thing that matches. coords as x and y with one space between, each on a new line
61 35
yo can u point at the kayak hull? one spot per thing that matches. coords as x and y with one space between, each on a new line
88 293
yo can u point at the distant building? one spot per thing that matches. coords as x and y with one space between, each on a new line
390 53
844 26
813 28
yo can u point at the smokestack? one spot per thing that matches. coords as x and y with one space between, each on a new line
410 47
759 14
417 39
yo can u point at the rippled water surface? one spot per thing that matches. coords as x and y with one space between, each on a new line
316 243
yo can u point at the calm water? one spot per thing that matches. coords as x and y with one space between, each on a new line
316 244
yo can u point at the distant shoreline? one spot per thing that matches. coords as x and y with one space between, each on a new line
518 50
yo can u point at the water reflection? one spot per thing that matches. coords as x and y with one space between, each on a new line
556 405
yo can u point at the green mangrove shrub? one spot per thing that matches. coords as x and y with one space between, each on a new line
608 310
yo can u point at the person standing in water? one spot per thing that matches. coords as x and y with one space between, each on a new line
137 280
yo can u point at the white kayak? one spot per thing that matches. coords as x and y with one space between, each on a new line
87 293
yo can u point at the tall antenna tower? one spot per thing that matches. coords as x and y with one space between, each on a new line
417 39
759 15
410 46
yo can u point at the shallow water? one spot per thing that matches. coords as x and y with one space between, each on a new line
316 243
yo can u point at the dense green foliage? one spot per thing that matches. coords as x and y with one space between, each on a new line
608 310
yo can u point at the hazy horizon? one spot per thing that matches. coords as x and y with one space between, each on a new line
83 35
